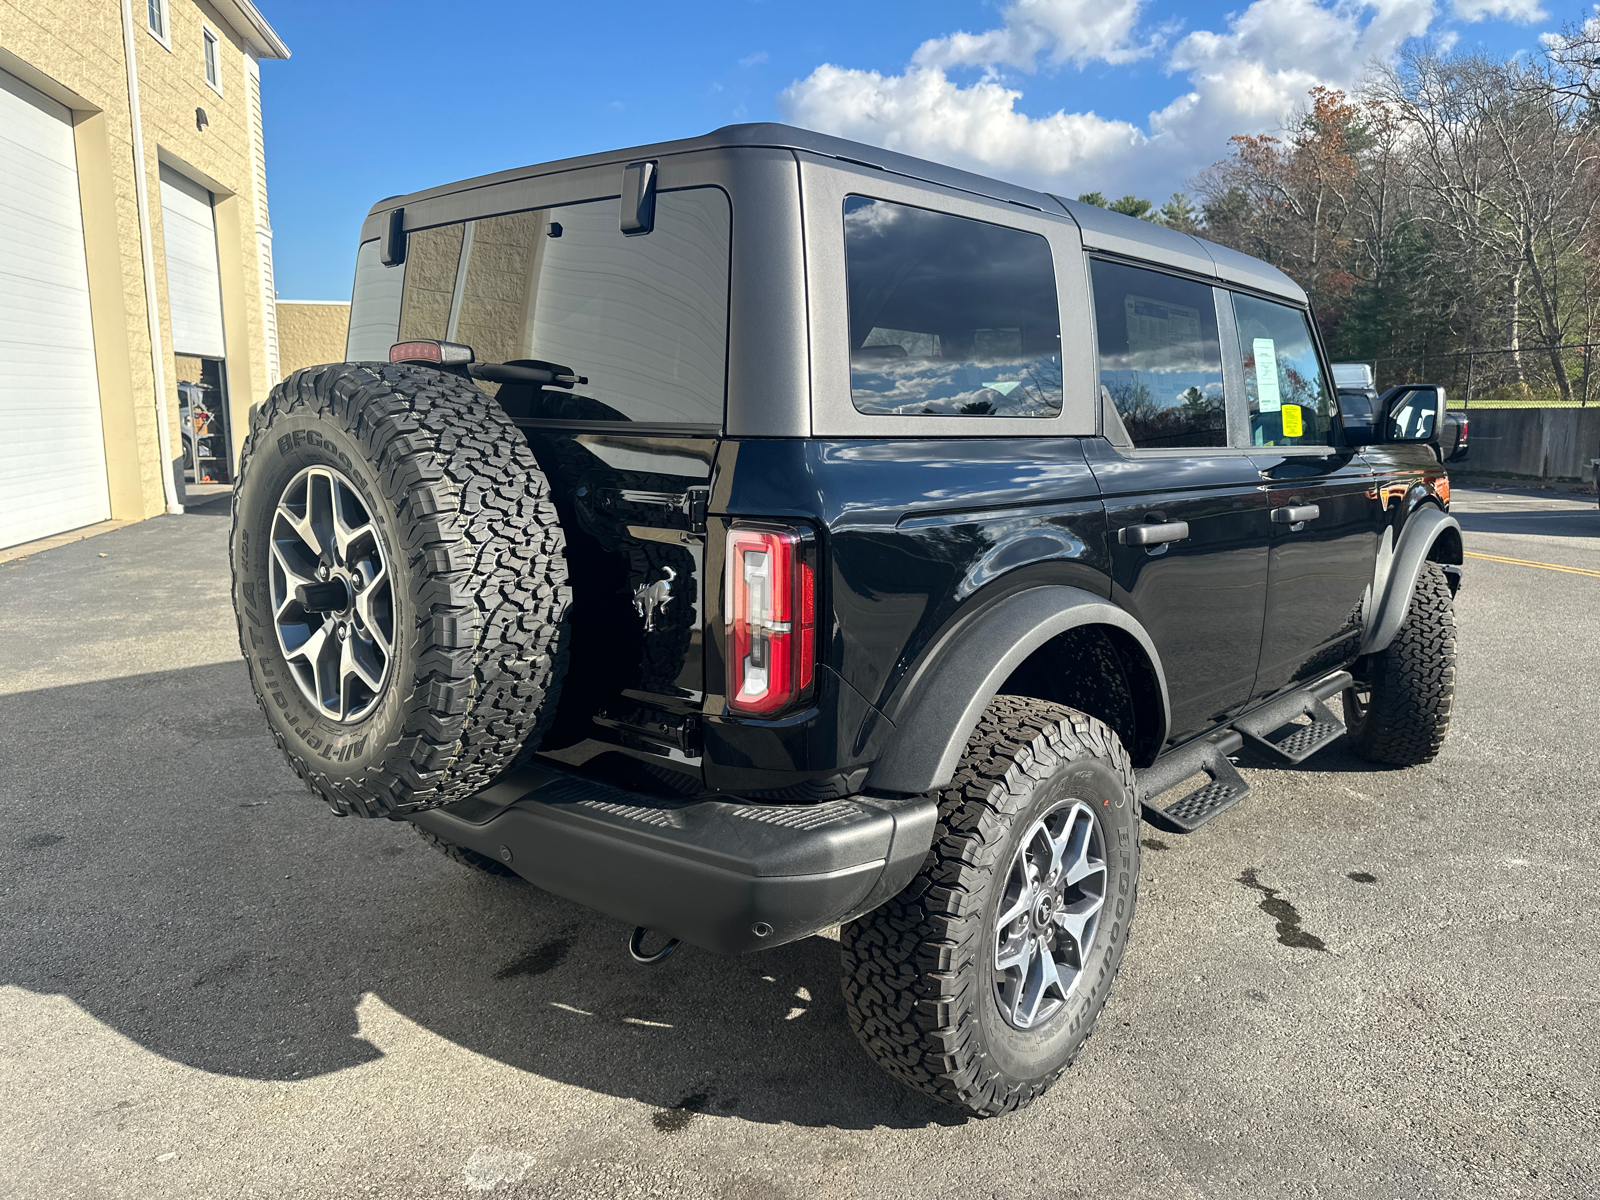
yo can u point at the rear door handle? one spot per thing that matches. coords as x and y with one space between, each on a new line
1153 535
1295 514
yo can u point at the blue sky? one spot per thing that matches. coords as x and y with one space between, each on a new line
1076 95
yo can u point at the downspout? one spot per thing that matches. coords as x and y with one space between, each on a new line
152 311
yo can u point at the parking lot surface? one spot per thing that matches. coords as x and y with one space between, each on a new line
1357 983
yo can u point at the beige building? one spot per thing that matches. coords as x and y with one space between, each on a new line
311 332
135 255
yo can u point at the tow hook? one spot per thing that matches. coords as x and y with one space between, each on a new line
636 948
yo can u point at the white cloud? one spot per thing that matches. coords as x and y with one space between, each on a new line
1559 41
1079 31
926 114
755 59
1250 78
1244 79
1506 10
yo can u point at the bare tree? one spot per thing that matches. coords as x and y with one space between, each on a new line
1506 163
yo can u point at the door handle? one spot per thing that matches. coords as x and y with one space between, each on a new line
1295 514
1153 535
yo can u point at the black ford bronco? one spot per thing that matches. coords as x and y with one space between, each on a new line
760 533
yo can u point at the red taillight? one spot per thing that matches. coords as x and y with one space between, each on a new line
444 354
416 352
772 619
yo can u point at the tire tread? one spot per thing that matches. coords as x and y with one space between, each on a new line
477 521
912 974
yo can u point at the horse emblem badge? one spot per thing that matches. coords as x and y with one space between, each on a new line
652 598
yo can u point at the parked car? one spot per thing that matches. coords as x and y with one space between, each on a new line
760 533
1359 398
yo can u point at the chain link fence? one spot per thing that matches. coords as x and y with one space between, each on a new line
1503 377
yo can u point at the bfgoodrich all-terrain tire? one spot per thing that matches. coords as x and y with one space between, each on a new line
399 576
980 982
1398 710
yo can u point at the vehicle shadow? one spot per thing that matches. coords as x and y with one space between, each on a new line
170 876
1335 758
216 504
1564 522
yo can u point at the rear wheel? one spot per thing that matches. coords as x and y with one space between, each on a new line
980 982
1398 709
400 584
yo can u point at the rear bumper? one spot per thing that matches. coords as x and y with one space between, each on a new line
725 875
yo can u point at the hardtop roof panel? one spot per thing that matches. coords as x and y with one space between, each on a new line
770 135
1102 229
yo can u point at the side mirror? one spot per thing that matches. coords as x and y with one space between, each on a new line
1414 413
1356 418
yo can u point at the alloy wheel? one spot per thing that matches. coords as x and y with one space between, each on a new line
332 595
1050 911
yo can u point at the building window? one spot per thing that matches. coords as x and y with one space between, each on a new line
208 38
156 10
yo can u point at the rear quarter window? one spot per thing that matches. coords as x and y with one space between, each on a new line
949 316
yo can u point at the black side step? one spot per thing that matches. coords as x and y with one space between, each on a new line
1226 787
1301 741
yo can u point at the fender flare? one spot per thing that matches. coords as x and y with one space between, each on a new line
947 693
1421 533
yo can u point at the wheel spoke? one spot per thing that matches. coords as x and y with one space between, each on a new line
314 650
319 510
293 574
1041 979
345 504
1012 956
370 622
1076 920
1024 902
1020 968
1079 865
351 663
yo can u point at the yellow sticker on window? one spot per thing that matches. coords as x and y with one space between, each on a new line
1292 426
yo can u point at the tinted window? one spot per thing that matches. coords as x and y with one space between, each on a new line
644 318
1289 400
949 316
374 307
1160 359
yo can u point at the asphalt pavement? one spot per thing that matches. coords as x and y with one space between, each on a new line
1357 983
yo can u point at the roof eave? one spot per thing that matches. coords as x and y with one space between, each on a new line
249 24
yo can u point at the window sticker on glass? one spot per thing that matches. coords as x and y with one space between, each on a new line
1293 426
1267 375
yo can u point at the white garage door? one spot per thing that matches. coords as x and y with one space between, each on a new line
194 286
52 454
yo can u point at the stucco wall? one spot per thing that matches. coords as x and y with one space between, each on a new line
311 333
72 50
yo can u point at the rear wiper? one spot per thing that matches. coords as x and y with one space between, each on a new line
456 356
527 370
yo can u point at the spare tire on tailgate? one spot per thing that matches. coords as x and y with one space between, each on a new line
400 580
